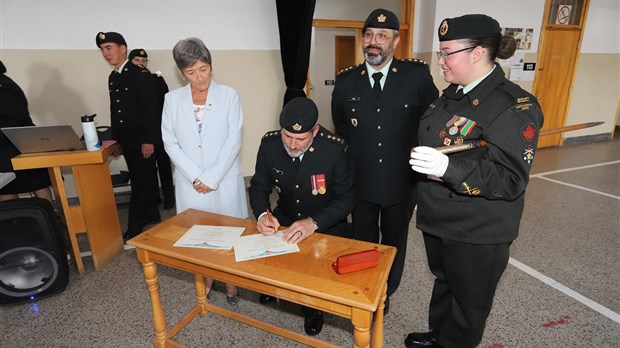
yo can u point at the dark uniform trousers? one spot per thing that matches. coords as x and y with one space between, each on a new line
143 178
135 114
381 134
461 303
164 166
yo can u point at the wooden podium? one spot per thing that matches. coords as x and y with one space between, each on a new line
96 215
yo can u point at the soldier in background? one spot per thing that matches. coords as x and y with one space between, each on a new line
138 56
135 115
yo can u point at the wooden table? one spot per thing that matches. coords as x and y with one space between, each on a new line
96 215
305 278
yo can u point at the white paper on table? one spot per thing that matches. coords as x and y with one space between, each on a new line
257 246
210 237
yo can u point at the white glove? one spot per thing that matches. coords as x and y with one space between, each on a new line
427 160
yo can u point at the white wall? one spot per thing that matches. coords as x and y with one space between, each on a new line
155 24
602 33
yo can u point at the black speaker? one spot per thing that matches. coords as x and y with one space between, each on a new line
33 255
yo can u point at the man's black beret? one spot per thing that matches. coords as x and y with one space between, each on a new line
468 27
110 37
299 115
383 19
137 52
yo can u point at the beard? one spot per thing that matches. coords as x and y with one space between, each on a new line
296 152
381 57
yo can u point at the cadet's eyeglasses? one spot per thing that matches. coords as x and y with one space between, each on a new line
380 38
445 55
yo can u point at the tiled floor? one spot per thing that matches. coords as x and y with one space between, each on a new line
561 288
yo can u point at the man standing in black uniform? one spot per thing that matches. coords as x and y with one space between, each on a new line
136 126
376 108
138 56
310 170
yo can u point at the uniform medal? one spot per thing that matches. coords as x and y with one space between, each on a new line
318 184
321 183
315 190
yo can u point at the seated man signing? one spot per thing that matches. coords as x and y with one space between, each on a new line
310 170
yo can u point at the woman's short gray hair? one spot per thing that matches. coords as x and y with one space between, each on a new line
188 51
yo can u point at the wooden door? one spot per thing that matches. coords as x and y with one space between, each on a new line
345 52
558 55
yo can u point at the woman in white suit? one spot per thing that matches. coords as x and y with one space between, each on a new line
201 130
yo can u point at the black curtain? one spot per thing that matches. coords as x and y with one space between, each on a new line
295 26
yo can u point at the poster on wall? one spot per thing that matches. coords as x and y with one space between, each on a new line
523 36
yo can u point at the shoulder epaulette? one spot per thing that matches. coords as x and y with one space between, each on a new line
516 92
346 70
271 134
414 61
331 137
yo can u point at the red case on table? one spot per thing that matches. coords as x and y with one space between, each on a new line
356 261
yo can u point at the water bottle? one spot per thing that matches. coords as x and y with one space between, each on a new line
90 133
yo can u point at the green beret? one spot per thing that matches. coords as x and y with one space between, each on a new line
110 37
137 52
381 18
299 115
468 27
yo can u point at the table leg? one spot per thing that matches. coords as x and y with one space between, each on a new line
377 327
361 327
60 194
159 319
201 292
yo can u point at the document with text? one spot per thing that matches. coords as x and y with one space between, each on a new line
210 237
257 246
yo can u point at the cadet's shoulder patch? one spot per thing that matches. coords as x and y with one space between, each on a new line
414 61
521 99
271 134
347 70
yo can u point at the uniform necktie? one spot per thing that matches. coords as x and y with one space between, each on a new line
376 88
296 163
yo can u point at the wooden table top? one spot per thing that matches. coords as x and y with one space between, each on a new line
63 158
308 272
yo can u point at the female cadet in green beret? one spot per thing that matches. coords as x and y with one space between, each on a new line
470 206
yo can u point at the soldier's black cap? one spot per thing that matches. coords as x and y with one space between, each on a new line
299 115
2 68
110 36
468 27
137 52
381 18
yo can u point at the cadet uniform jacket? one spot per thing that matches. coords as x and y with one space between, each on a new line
135 109
321 188
381 133
480 198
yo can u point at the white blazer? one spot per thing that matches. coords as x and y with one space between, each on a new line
211 156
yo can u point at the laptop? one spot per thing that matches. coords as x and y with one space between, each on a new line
44 138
